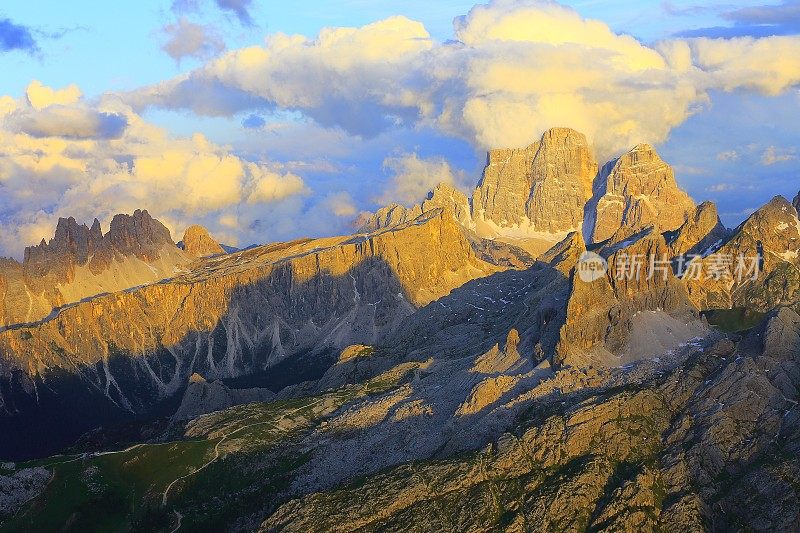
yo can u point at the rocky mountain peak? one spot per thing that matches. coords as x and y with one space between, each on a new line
388 216
138 234
80 261
774 227
445 196
542 187
197 242
796 202
637 190
564 255
702 231
72 244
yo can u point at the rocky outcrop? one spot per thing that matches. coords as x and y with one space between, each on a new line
443 196
138 235
531 198
197 242
541 188
600 312
635 191
202 397
796 202
80 261
565 255
388 217
708 441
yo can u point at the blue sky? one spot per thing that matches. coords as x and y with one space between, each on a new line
739 146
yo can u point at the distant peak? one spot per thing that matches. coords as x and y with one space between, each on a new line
562 134
643 147
198 242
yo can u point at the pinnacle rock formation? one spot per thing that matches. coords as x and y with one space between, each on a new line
796 202
197 242
75 245
80 261
635 191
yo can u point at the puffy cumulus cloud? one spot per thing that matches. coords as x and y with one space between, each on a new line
53 173
413 177
340 204
187 39
40 96
769 65
269 186
516 68
347 77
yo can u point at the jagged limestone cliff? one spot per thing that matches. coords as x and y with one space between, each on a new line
635 191
230 316
80 261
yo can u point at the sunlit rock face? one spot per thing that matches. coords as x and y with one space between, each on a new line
757 267
637 190
230 316
532 197
197 242
603 324
80 261
540 188
702 232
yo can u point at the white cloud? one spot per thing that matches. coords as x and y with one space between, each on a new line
67 121
269 186
40 96
729 155
340 204
413 177
56 165
773 155
720 187
518 68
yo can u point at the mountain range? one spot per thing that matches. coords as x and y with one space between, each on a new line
449 366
